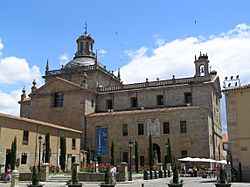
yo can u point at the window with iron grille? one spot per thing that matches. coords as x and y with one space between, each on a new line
159 100
165 127
140 129
183 126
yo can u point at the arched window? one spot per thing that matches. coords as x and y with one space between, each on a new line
202 70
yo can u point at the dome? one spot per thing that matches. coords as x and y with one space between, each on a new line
80 62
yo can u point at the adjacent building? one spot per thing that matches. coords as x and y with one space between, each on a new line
30 147
85 96
238 107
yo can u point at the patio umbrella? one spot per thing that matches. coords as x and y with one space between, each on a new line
186 159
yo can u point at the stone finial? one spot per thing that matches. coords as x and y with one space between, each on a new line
47 67
33 88
119 75
23 96
96 57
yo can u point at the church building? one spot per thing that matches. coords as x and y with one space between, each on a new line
86 96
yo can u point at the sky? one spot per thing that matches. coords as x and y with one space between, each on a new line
145 39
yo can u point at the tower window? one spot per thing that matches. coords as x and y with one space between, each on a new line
109 104
165 127
188 98
159 100
133 102
125 129
183 126
58 99
140 129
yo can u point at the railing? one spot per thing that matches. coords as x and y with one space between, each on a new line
81 69
155 84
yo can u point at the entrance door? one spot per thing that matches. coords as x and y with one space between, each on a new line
7 160
157 151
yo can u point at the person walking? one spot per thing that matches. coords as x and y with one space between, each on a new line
113 171
8 173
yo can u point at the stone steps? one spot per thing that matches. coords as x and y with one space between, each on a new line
59 178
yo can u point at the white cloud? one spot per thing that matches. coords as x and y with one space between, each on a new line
9 102
13 70
64 59
102 52
228 54
1 46
17 72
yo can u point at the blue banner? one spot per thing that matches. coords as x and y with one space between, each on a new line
101 141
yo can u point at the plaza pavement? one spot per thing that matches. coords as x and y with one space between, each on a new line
188 182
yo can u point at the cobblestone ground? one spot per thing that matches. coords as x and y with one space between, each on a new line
188 182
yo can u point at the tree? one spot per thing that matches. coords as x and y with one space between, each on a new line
150 153
35 179
169 152
13 154
136 158
47 148
88 155
74 175
112 161
62 152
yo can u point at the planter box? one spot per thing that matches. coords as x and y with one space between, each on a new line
222 185
175 185
107 185
74 185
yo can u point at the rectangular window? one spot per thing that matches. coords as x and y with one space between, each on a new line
24 158
159 100
188 98
165 127
73 143
184 153
133 102
125 157
140 129
25 137
109 104
183 126
58 99
125 129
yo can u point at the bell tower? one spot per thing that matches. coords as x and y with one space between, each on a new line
85 45
201 65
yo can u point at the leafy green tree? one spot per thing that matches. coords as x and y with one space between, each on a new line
150 153
13 153
112 161
35 179
47 148
62 152
136 158
169 152
88 155
74 175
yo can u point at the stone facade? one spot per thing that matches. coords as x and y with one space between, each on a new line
84 95
12 126
238 107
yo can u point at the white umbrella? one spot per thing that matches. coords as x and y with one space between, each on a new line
222 161
186 159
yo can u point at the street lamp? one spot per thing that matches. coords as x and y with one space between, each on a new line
39 155
130 143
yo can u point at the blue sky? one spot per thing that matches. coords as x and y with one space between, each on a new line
144 38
